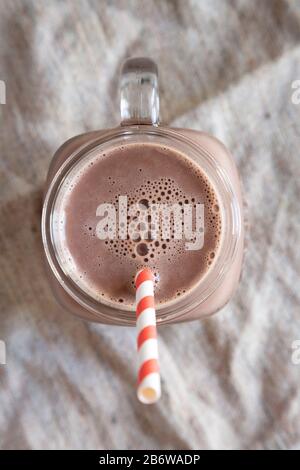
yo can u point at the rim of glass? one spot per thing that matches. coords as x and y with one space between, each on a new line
230 214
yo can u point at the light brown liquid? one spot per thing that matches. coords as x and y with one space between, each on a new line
147 174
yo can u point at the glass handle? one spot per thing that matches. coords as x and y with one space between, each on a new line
139 99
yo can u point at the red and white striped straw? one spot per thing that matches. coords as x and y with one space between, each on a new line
149 389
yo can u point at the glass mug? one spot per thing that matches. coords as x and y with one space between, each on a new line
139 127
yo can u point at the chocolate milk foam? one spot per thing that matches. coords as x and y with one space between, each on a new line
148 174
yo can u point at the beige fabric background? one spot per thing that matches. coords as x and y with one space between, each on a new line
225 67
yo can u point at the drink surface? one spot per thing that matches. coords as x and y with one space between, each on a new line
149 176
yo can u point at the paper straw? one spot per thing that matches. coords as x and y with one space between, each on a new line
149 390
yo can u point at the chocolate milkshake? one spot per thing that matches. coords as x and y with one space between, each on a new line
143 194
149 176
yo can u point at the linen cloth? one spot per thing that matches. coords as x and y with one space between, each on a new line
226 67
